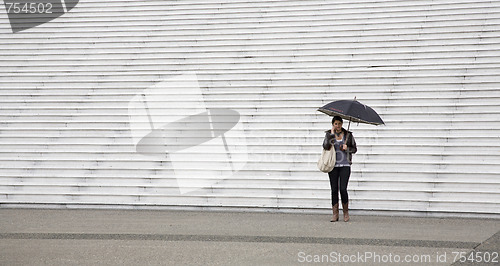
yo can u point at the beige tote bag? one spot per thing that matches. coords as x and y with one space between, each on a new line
326 162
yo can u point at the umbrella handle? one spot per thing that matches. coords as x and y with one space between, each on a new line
347 139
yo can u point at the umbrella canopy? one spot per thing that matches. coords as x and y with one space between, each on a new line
352 110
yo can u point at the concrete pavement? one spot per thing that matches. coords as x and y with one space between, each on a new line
140 237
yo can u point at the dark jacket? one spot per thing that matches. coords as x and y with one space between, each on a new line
351 143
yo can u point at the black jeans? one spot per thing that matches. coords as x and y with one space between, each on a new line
339 175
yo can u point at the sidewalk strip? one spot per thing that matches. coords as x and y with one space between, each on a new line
250 239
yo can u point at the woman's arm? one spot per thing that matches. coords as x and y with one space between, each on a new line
327 142
351 144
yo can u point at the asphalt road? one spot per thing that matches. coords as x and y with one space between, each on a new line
133 237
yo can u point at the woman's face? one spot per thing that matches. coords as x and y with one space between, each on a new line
337 126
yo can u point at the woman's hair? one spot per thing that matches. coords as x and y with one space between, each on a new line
337 118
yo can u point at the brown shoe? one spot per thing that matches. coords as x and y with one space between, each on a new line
345 210
335 209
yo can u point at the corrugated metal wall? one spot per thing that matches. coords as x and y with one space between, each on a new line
71 103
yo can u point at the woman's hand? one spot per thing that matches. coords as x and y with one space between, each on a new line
344 147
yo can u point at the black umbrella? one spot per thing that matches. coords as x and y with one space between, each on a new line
352 110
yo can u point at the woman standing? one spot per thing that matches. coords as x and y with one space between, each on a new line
345 146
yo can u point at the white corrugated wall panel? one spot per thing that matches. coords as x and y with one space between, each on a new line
430 68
